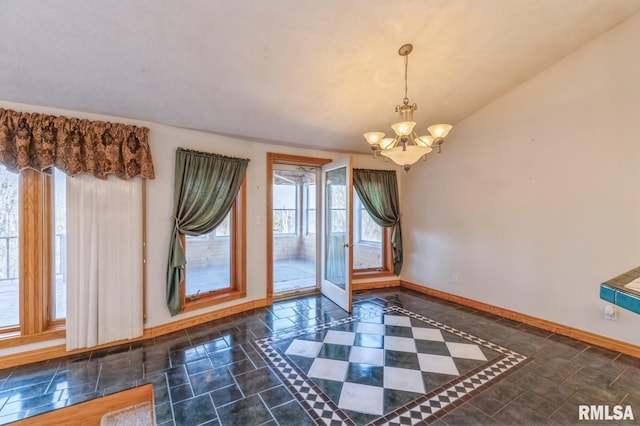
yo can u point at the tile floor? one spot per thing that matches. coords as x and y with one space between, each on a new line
225 372
385 365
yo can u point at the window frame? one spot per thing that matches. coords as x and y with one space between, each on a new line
237 289
36 276
308 231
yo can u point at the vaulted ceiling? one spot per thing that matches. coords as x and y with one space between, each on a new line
300 72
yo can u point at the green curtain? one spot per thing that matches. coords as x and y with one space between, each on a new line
206 185
378 191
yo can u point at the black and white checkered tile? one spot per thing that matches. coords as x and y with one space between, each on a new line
394 353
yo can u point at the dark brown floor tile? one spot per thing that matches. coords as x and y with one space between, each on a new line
211 380
467 415
194 411
247 411
628 360
595 384
487 404
535 331
256 381
543 406
292 413
276 396
542 386
628 381
504 392
224 396
634 401
601 360
516 413
558 369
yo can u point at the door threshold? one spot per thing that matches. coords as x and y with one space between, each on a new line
295 293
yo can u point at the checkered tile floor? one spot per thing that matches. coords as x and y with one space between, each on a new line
392 367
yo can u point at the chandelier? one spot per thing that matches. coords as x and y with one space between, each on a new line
406 147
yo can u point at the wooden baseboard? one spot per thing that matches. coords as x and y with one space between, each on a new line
91 412
574 333
59 351
201 319
375 285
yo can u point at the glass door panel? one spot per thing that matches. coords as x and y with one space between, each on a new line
336 232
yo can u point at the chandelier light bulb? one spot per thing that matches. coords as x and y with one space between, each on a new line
386 143
373 138
439 130
403 128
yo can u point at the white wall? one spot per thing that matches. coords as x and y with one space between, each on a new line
534 201
164 140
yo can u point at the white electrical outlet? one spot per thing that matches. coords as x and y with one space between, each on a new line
610 312
455 278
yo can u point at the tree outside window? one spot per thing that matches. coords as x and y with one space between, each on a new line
285 211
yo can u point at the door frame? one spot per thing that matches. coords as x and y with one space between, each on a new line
278 158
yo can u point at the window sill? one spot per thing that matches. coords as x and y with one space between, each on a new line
371 273
365 243
15 339
212 300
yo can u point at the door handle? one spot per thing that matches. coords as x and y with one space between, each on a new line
346 245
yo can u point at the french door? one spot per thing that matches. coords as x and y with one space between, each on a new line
337 235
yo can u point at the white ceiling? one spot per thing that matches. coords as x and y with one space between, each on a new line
304 72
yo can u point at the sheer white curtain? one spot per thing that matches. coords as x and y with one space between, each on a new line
104 260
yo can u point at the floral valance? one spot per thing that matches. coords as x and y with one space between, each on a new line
39 141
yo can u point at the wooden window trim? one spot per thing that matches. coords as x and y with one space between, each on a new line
36 253
238 289
35 275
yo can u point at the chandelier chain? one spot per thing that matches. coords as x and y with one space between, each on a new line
406 63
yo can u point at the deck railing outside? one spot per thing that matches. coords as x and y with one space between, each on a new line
10 274
9 256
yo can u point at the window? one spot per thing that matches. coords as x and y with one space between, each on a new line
59 289
215 261
310 208
367 235
371 241
224 229
32 251
9 249
285 208
367 231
